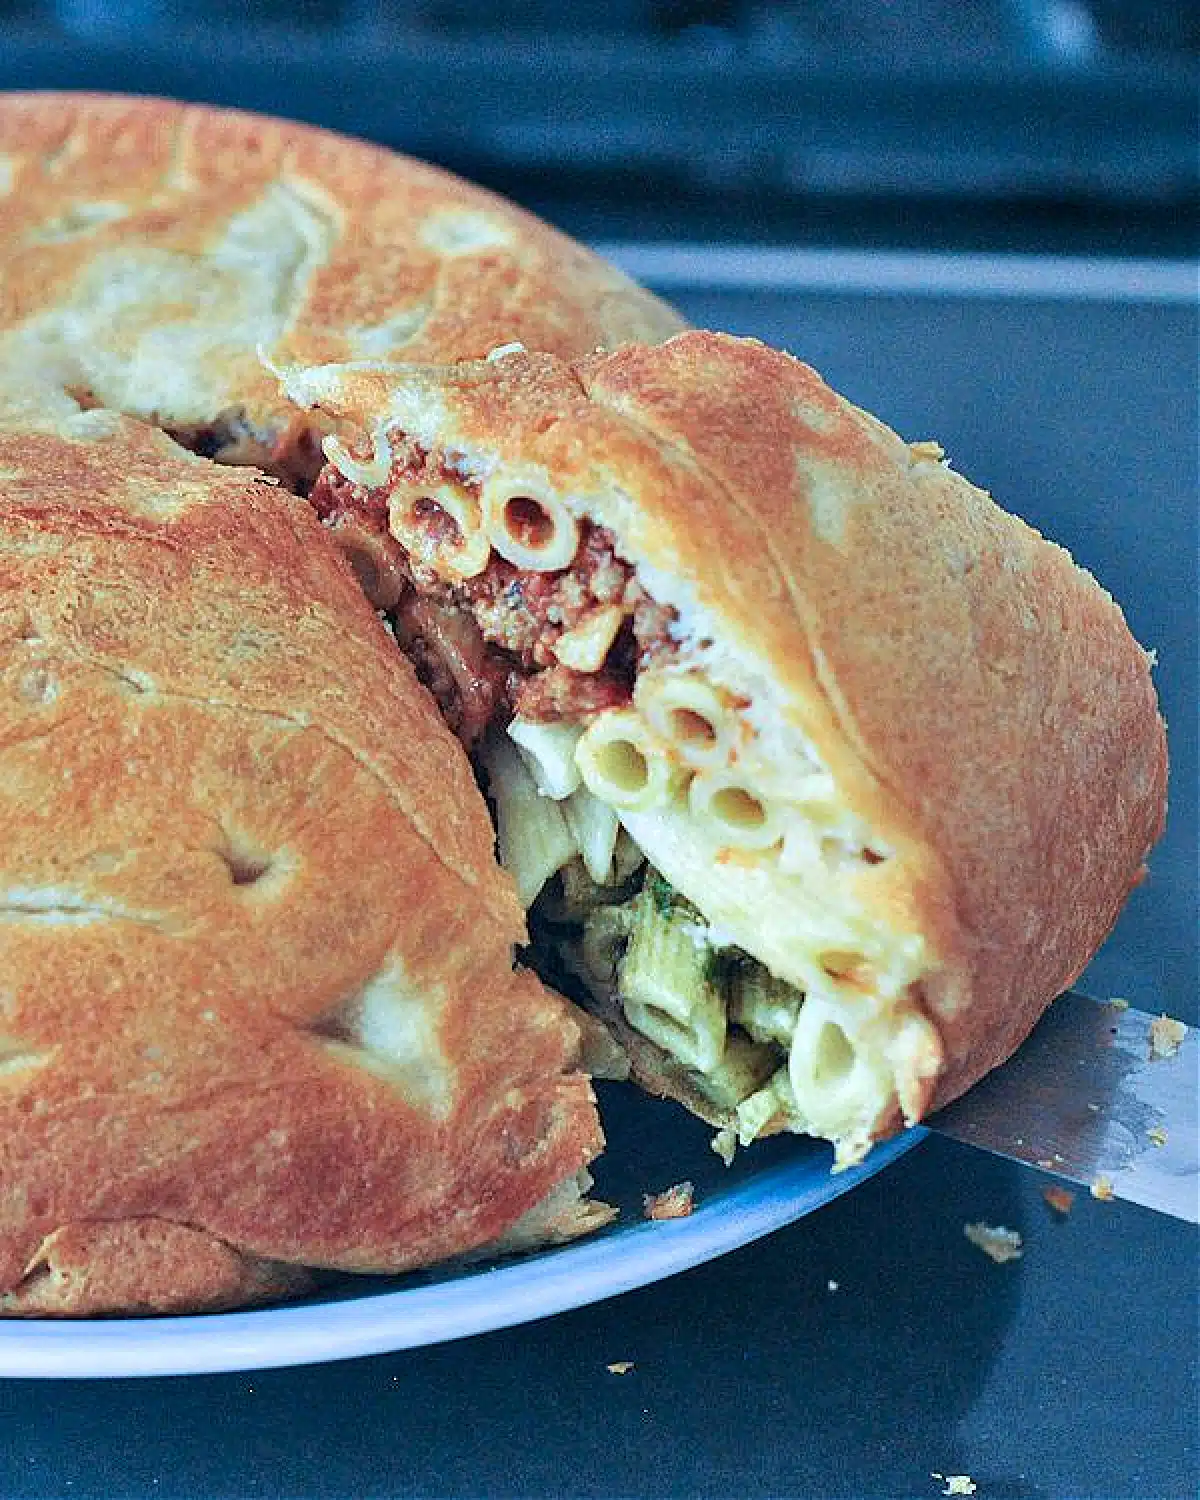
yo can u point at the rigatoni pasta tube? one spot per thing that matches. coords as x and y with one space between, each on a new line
764 1007
624 764
462 554
733 813
665 990
594 827
837 1083
688 713
528 524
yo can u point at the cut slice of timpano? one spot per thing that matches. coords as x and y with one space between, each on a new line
825 773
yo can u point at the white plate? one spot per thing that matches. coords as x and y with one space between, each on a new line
651 1146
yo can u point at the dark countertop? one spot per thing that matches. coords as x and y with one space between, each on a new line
1069 1373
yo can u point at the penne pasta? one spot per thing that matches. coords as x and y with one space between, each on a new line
665 989
548 751
688 714
836 1082
623 763
686 1038
733 813
531 833
528 524
594 827
764 1007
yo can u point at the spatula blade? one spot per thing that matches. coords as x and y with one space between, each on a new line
1090 1098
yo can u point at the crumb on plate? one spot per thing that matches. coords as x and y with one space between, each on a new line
1102 1188
1166 1036
957 1484
995 1241
675 1203
620 1367
1060 1200
1158 1135
724 1143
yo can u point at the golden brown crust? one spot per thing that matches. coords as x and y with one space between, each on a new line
255 955
152 248
977 696
153 253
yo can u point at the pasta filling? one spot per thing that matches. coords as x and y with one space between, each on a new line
649 817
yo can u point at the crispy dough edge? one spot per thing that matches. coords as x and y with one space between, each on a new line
145 1267
159 156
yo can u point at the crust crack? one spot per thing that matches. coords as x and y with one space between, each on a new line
57 908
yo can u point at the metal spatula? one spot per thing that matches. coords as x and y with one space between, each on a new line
1088 1098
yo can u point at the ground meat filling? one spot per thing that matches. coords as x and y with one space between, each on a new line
485 646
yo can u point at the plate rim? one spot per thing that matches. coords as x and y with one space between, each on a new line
519 1291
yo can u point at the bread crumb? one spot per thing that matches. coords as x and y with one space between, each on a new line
1102 1188
1060 1200
724 1143
995 1241
620 1367
675 1203
833 1285
1158 1135
1166 1036
1118 1002
957 1484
